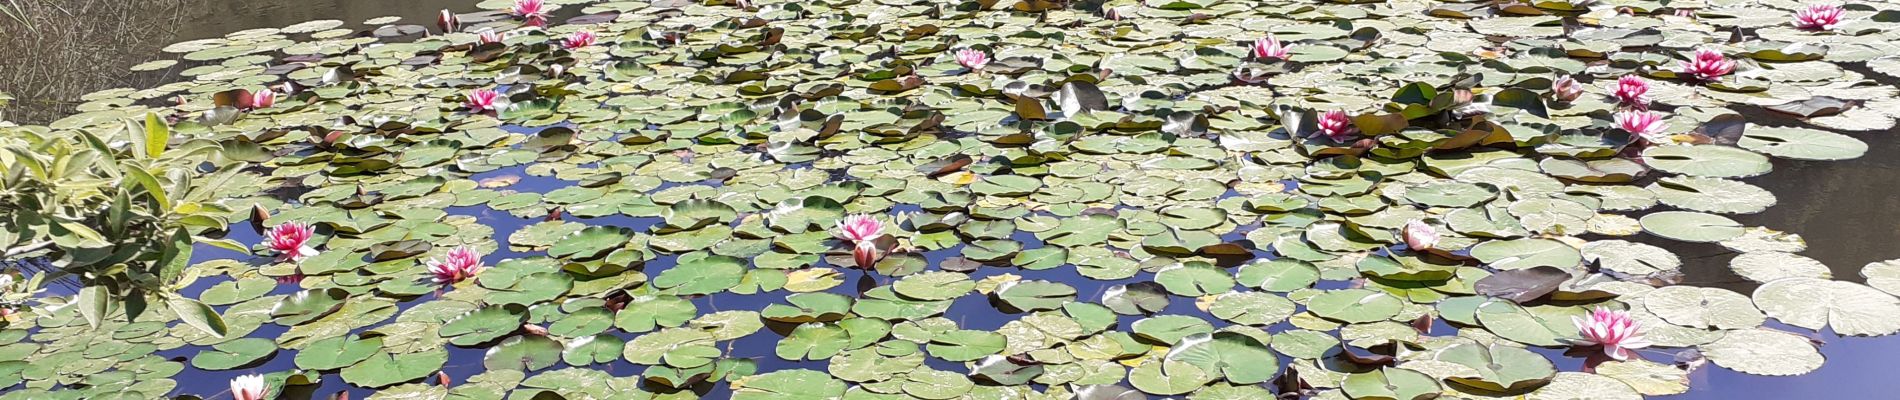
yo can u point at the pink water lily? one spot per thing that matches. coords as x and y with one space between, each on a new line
487 36
263 99
1420 236
1566 89
249 387
534 11
1631 91
865 254
1708 65
1818 17
863 231
1336 125
860 228
483 100
578 40
972 58
1613 330
448 21
530 8
291 241
461 263
1643 124
1269 48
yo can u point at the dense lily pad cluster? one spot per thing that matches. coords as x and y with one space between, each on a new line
1212 199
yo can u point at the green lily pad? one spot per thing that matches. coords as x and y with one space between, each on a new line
1355 305
1711 161
711 274
384 369
482 325
1498 368
234 354
1691 226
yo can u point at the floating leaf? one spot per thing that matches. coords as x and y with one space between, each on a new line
1355 305
1691 226
1390 383
1498 368
1527 253
234 354
1239 358
1522 285
1850 309
1703 308
384 369
1707 161
1764 352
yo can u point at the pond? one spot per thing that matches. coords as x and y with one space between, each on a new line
648 204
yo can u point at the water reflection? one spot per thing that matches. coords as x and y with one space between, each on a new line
82 46
1845 209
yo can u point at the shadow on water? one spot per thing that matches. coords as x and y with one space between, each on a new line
1845 210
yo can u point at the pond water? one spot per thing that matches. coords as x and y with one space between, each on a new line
1845 210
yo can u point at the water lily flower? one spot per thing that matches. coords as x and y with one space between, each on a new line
1112 13
1708 65
291 241
860 228
1631 91
865 254
1643 124
328 139
1612 329
1685 12
578 40
483 100
1566 89
248 387
534 11
1420 236
295 278
1269 48
1334 124
461 263
1818 17
448 21
1462 96
972 58
263 98
487 36
6 286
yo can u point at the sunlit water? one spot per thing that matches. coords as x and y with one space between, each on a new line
1845 210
